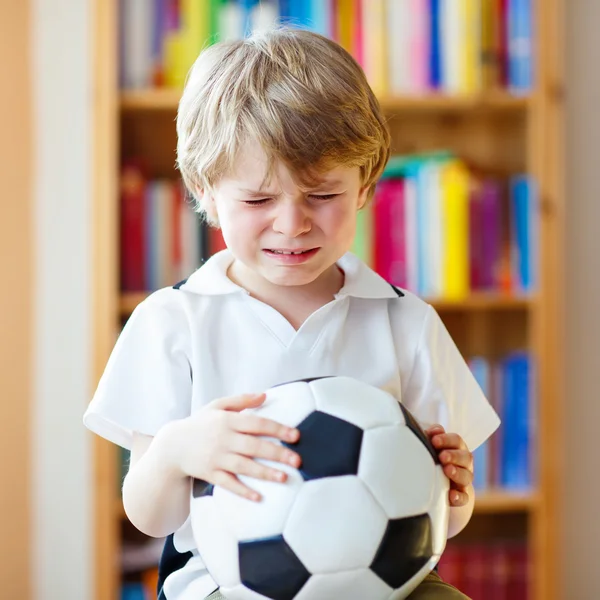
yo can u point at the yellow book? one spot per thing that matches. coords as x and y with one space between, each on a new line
455 182
489 45
375 45
471 45
195 19
345 23
175 59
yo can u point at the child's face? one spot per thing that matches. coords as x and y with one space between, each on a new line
259 228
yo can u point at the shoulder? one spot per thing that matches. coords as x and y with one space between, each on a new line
409 311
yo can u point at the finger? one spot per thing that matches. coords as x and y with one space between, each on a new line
435 429
448 440
242 465
458 498
248 423
230 482
239 403
460 458
250 445
458 475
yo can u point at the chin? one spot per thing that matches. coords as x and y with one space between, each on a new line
291 279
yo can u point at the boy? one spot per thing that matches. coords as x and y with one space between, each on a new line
281 141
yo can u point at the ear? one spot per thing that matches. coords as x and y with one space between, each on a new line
363 194
207 204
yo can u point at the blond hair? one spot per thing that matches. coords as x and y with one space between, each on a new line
301 96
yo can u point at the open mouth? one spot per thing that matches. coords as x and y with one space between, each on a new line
290 252
291 256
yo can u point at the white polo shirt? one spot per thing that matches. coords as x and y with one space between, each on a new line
208 338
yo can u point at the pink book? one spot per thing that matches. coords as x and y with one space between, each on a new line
382 207
419 46
397 227
357 42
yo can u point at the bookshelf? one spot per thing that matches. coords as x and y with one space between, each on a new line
493 130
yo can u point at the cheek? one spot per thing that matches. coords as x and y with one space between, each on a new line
339 220
238 224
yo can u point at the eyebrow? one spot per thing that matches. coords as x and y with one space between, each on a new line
322 186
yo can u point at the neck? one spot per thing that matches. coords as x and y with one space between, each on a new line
320 291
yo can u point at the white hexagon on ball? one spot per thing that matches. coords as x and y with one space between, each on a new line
344 508
209 527
345 398
249 520
360 583
289 404
403 484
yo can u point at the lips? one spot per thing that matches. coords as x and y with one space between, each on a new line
282 251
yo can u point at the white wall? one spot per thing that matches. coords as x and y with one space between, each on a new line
582 486
62 134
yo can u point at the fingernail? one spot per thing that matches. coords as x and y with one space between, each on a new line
255 497
292 435
293 459
453 472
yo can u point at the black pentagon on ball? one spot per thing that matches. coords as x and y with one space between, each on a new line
202 488
328 446
412 424
271 568
405 548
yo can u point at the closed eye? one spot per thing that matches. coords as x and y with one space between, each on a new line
324 197
258 202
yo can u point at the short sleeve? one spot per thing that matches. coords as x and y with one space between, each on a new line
147 381
441 388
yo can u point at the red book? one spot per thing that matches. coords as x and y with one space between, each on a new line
132 228
216 241
499 572
475 572
502 17
520 566
451 565
177 237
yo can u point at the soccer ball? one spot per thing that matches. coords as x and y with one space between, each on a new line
365 515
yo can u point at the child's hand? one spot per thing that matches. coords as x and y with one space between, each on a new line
457 462
219 442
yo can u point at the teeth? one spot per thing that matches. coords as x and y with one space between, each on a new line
284 252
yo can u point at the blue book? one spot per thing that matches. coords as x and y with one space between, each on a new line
524 232
480 368
423 230
515 464
321 17
285 12
247 6
132 591
520 46
435 50
300 13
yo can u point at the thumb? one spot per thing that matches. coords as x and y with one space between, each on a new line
239 403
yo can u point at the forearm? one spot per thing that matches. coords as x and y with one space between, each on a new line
156 496
461 515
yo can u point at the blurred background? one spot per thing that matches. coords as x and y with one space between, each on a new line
487 209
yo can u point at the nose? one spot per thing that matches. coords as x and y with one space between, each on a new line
292 219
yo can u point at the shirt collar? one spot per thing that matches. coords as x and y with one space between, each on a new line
360 281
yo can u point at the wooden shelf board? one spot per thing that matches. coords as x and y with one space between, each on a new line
500 501
164 99
474 302
485 301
